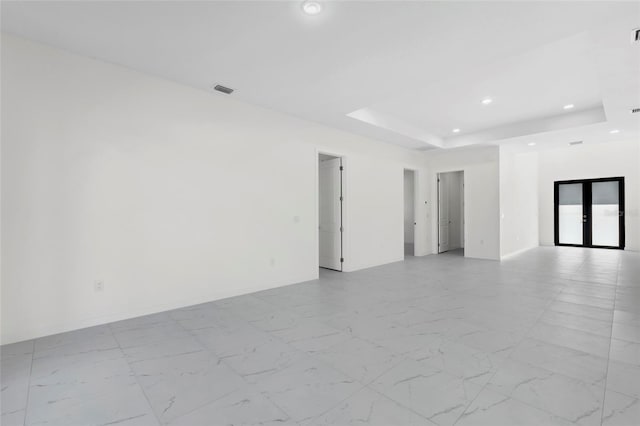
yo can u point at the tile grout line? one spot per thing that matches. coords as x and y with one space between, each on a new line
606 375
525 335
538 320
315 356
367 386
204 349
221 361
135 376
310 355
319 360
402 358
26 404
384 395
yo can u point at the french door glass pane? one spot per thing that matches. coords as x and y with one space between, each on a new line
570 213
605 207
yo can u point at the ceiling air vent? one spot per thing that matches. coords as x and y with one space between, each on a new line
635 36
575 143
223 89
635 110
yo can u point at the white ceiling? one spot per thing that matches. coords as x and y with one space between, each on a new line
402 72
562 70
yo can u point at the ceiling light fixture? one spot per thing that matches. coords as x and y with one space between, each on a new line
614 131
568 106
487 101
531 144
456 130
311 7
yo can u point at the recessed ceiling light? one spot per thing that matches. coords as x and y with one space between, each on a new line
614 131
311 7
531 144
456 130
487 101
568 106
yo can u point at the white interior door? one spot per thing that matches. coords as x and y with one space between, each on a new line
330 214
454 190
443 213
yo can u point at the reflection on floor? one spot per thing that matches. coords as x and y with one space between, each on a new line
549 337
455 252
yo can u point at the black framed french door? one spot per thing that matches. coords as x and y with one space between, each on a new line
589 213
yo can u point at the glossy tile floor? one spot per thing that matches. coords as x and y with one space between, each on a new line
551 337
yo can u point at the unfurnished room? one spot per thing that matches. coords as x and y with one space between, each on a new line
320 212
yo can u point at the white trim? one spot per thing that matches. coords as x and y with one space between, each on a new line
435 208
345 208
416 214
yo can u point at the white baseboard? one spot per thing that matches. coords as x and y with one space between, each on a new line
515 253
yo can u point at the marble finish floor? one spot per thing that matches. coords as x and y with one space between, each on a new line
550 337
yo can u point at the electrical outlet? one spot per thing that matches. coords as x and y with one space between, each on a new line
98 285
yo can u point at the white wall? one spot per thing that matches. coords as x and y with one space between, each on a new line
171 195
481 197
518 201
409 206
585 162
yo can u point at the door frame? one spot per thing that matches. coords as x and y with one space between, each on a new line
586 212
415 207
344 241
438 209
463 228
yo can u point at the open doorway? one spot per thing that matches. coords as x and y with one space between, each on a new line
451 212
330 211
409 212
